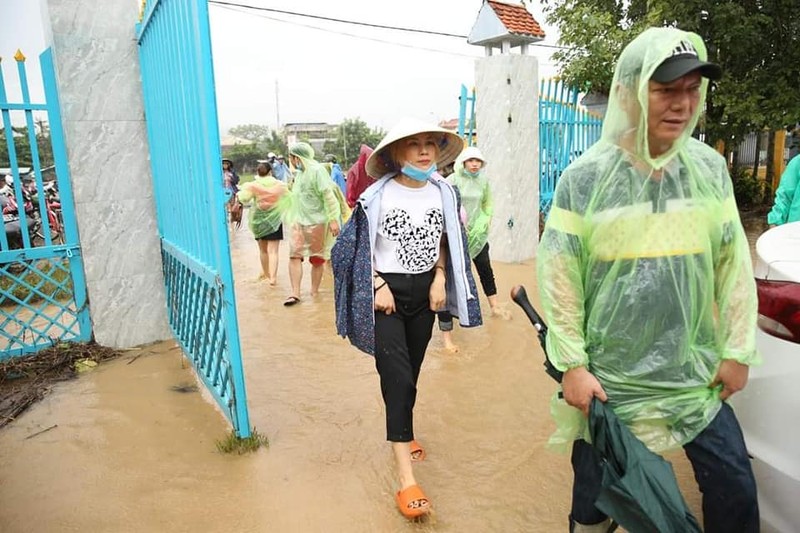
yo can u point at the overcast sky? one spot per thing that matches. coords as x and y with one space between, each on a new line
325 71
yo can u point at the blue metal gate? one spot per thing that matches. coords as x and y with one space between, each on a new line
42 284
181 112
566 130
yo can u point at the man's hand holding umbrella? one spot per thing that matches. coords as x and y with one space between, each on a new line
579 387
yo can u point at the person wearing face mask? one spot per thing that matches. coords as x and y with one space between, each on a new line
647 287
313 218
402 257
476 197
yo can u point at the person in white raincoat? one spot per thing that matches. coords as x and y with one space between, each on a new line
647 287
476 199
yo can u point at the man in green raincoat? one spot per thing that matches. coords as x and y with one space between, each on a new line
313 219
646 284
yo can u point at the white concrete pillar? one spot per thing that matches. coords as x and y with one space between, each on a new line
97 70
507 117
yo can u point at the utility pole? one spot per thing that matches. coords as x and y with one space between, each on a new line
344 140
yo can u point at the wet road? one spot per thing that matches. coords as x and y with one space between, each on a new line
131 454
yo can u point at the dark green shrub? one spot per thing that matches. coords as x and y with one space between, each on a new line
748 190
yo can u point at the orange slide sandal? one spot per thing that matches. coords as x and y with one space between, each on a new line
417 452
412 502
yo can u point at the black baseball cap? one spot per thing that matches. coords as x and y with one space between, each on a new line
683 60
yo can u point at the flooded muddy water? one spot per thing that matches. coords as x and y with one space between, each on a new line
129 453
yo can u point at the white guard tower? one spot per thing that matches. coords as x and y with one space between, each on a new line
507 120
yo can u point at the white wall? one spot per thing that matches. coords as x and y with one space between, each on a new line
507 116
97 69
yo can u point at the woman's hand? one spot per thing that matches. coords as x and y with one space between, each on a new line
384 299
334 228
437 294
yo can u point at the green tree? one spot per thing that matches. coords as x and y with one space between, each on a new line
276 143
257 133
755 41
350 135
22 146
266 139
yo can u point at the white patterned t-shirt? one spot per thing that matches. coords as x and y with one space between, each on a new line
410 229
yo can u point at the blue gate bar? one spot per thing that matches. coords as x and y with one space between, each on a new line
37 167
12 159
65 193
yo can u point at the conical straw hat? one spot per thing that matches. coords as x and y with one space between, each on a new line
379 162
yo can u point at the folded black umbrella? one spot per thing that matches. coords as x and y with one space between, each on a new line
639 489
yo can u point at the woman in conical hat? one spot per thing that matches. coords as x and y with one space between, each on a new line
400 258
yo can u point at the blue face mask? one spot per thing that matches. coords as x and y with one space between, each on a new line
299 167
472 174
416 173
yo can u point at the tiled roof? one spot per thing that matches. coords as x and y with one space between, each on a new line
451 124
516 19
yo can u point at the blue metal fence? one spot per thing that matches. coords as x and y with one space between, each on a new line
466 115
42 285
181 111
566 130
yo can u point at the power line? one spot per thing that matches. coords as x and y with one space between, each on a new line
373 39
331 19
355 23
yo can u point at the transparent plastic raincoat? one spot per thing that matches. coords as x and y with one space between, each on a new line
644 270
267 200
476 199
313 200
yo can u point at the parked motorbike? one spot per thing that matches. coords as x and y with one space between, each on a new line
33 216
12 223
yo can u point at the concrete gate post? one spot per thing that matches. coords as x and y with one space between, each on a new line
507 118
97 69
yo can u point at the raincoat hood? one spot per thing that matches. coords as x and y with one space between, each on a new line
625 123
314 199
305 152
471 152
476 199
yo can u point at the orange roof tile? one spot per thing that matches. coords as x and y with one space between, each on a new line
516 19
451 124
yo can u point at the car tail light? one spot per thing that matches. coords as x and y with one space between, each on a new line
779 309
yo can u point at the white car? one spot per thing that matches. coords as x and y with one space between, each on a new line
769 407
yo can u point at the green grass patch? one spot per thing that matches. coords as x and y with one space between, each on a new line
232 444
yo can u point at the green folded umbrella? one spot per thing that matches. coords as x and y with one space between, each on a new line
639 490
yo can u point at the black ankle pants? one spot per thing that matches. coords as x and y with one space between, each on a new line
401 339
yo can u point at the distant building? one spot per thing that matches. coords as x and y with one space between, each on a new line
315 133
229 141
451 124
